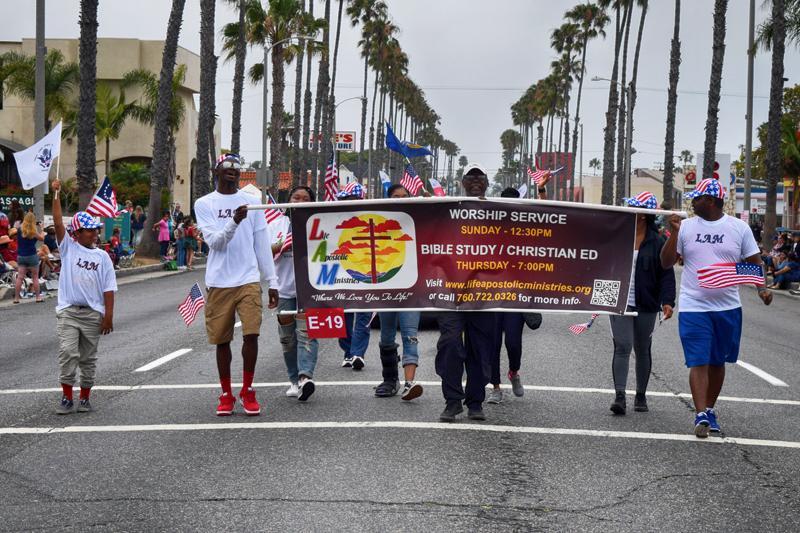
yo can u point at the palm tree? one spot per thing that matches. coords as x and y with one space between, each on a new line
201 184
635 75
622 179
61 79
321 99
235 44
712 121
672 105
163 112
87 145
111 113
594 164
330 134
592 21
774 165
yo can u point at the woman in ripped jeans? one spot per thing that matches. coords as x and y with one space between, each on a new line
299 352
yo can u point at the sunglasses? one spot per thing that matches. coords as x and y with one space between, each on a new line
230 163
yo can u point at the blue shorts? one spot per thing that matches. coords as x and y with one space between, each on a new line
710 337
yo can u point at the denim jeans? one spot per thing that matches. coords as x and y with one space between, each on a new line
181 253
299 352
409 325
357 340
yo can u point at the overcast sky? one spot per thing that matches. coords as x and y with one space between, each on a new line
475 58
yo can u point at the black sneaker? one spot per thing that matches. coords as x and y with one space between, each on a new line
306 388
358 363
618 406
640 403
450 412
65 407
84 406
476 413
347 362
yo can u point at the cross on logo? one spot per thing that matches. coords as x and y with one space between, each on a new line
372 239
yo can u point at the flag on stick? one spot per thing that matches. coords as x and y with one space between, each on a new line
722 275
272 214
577 329
411 180
331 179
192 305
539 177
438 190
287 244
104 201
33 163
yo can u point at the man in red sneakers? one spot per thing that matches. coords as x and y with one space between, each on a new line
239 258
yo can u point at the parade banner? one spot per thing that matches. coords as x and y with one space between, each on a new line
463 254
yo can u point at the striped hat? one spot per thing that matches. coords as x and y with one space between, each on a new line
351 189
707 187
229 161
83 220
645 199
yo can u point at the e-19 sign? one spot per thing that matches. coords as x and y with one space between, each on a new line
326 323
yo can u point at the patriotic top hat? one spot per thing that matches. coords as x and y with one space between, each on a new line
83 220
707 187
645 199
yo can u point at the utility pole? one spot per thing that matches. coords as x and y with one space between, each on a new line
748 146
38 103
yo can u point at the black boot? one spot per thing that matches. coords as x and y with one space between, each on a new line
640 403
391 380
618 406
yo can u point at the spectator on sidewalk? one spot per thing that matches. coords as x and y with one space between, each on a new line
162 226
180 252
787 271
27 258
138 219
189 241
85 307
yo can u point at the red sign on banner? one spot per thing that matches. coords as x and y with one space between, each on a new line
326 323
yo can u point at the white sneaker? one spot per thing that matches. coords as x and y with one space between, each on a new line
306 388
347 362
293 391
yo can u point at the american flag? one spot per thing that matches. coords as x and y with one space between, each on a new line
331 180
411 181
104 201
192 305
539 177
577 329
287 243
272 214
438 190
723 275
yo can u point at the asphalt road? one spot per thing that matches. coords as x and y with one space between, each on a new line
154 457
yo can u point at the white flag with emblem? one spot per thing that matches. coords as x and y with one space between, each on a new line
523 190
33 164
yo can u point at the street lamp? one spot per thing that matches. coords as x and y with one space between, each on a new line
333 126
628 133
262 172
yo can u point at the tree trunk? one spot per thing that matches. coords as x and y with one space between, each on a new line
622 179
322 95
577 118
635 74
205 118
774 167
86 171
611 118
159 168
376 189
331 123
238 82
277 109
712 121
672 105
298 173
108 157
364 105
307 106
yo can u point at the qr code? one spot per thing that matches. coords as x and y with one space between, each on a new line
605 292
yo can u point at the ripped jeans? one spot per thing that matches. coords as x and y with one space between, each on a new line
299 352
409 324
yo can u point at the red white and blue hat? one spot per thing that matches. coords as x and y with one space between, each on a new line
229 161
707 187
351 189
83 220
645 199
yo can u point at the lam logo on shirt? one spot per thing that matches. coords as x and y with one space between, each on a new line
87 265
709 239
225 213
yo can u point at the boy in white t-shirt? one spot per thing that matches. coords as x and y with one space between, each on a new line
239 258
85 310
710 320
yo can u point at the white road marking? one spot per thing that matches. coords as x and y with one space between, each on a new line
400 425
769 378
237 325
161 360
541 388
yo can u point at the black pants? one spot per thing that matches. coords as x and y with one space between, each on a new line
509 325
466 343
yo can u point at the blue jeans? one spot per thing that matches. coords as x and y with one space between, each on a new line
409 325
357 340
299 352
181 253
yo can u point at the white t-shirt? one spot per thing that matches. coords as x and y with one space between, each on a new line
632 289
237 252
284 265
702 243
86 273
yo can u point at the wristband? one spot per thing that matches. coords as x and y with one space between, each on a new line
541 189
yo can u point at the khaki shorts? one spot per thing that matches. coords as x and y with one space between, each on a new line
222 306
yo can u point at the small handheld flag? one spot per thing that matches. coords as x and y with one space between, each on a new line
411 180
331 179
577 329
104 201
722 275
272 214
438 190
287 244
192 305
539 177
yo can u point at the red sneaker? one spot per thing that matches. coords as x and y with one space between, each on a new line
226 403
249 402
